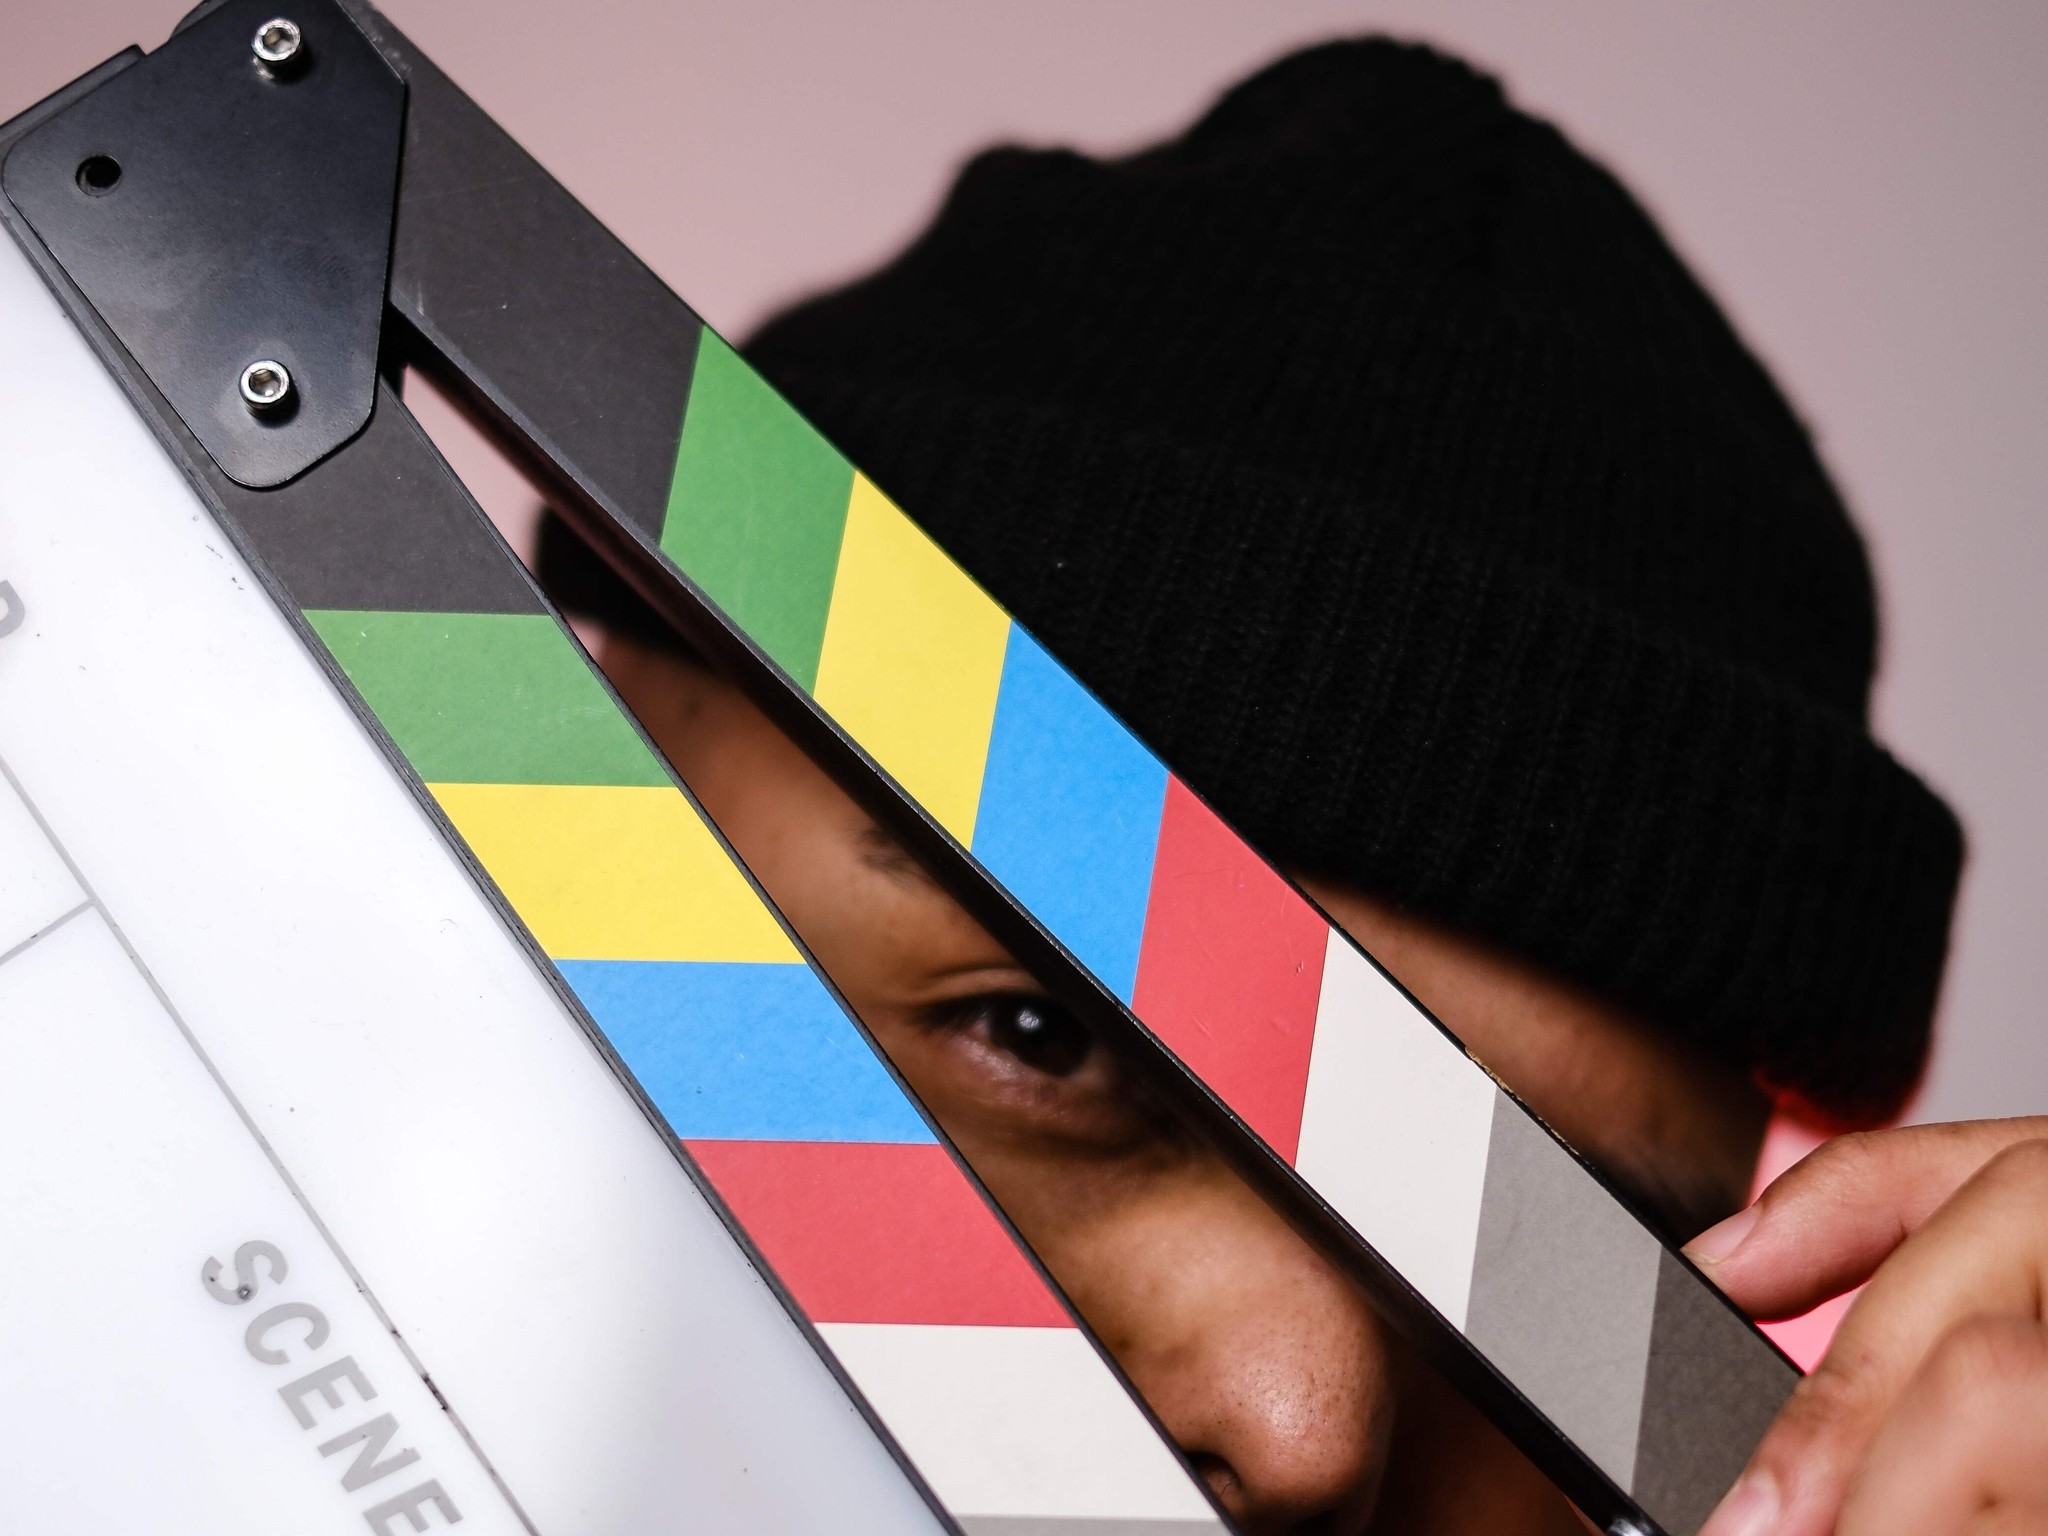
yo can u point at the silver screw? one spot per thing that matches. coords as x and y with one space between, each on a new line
1624 1526
278 41
266 385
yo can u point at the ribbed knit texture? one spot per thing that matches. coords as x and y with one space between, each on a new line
1369 451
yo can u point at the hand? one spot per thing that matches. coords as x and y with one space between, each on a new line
1929 1414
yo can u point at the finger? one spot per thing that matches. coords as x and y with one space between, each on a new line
1984 1253
1825 1225
1969 1436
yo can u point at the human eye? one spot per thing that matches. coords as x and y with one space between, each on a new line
1038 1032
1019 1060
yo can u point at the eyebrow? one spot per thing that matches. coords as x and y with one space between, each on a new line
884 855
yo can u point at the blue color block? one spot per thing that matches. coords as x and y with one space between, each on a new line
738 1052
1070 808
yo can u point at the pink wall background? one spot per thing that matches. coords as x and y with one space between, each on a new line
1865 182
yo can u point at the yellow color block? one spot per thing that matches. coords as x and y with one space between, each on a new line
600 872
912 660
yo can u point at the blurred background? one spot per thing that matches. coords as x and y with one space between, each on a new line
1863 182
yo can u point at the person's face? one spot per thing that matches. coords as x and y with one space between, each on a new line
1266 1364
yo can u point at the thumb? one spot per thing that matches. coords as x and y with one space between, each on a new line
1824 1226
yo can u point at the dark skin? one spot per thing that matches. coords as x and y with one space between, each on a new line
1928 1416
1264 1362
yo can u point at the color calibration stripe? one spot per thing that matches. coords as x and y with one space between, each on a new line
1485 1213
871 1225
690 454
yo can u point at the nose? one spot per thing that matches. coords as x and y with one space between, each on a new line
1267 1366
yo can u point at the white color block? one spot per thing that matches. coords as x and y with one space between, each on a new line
1018 1422
126 1169
502 1198
35 887
1394 1129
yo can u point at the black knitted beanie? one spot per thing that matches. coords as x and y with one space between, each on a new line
1369 451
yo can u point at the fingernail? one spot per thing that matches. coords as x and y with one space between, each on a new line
1723 1238
1751 1508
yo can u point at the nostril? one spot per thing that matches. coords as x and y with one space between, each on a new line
1229 1490
1221 1477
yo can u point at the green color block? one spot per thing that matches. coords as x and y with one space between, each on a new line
487 698
757 509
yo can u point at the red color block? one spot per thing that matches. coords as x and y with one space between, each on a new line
867 1232
1231 969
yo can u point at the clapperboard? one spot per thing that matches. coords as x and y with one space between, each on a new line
414 1114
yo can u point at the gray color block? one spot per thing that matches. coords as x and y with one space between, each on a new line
1564 1286
1714 1386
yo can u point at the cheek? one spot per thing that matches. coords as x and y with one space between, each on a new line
1188 1260
1449 1471
1187 1275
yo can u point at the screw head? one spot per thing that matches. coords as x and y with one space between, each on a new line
265 385
277 42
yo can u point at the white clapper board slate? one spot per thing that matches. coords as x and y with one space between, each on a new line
251 1006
